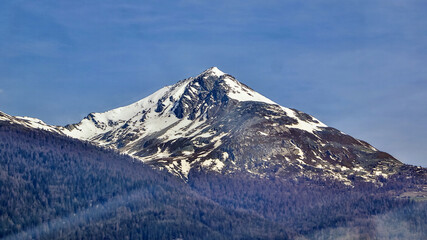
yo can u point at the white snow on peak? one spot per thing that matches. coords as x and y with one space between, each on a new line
213 71
238 91
87 128
217 72
242 93
99 123
129 111
132 114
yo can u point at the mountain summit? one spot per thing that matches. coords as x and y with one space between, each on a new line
213 71
212 122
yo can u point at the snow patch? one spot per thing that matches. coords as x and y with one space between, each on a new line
242 93
303 125
213 164
185 168
263 133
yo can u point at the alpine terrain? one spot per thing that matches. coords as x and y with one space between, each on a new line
205 158
216 123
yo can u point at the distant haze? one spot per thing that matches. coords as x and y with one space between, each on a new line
359 66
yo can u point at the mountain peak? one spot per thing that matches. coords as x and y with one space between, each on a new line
214 122
217 123
212 71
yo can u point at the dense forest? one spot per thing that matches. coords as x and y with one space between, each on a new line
311 208
54 187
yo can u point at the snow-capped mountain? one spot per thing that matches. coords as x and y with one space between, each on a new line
214 122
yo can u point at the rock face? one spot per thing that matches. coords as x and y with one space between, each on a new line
213 122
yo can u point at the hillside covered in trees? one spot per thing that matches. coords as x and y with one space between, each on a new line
54 187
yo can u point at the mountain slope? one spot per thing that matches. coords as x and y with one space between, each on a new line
214 122
54 187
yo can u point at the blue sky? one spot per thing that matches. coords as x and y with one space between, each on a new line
359 66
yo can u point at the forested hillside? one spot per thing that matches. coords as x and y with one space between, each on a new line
317 208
